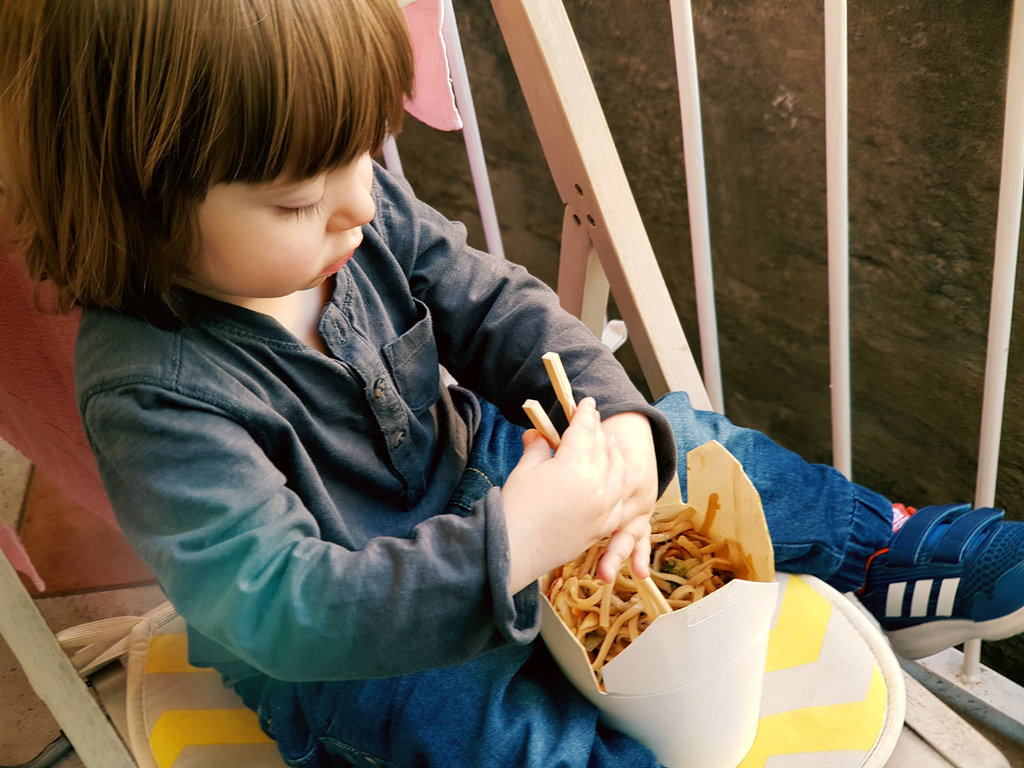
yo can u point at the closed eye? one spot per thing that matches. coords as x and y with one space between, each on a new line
302 211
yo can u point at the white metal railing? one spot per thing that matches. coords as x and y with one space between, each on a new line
470 132
1011 188
970 674
838 206
994 690
697 198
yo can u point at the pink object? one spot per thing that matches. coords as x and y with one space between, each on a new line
38 414
12 547
433 100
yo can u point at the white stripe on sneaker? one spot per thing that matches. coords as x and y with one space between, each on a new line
947 594
919 602
894 599
920 598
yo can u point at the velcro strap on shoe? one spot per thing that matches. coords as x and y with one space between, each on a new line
964 531
907 544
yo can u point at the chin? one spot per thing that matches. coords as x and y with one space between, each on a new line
316 281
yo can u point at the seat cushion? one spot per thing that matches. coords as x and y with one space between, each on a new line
180 716
833 693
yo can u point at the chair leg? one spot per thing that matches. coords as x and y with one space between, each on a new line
586 169
54 679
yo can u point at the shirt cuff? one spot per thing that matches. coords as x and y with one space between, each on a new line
517 616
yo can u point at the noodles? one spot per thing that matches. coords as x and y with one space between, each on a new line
685 565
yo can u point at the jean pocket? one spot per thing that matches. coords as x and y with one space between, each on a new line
473 486
353 755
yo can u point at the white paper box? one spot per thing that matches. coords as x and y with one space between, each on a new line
690 686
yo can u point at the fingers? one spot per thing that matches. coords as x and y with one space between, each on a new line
536 449
608 471
641 558
633 432
615 485
632 541
619 548
593 465
584 433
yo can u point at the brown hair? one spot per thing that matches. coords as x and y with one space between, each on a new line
116 117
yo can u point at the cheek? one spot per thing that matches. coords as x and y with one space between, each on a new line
279 261
246 240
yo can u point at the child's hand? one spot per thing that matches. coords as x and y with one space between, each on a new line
632 433
557 506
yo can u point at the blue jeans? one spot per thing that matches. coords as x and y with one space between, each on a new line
512 706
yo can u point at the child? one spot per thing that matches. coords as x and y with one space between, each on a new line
353 545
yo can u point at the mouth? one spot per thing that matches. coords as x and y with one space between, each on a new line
336 266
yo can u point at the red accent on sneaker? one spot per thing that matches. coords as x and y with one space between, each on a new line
900 514
867 568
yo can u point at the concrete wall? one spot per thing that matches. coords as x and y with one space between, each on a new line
927 83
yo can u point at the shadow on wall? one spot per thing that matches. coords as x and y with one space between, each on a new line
926 94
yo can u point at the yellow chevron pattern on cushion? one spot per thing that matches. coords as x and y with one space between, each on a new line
833 693
177 729
850 727
169 654
181 716
799 630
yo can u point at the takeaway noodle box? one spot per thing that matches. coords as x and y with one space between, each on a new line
689 687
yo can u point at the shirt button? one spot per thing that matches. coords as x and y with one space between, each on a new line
378 388
398 438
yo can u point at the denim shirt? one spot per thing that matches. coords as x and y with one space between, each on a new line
291 502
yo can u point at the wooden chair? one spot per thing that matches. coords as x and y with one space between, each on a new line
42 430
605 251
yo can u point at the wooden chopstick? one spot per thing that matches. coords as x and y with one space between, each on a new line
563 391
539 419
655 603
560 382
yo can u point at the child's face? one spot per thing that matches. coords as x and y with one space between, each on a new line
265 241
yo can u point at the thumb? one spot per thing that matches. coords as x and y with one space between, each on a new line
536 449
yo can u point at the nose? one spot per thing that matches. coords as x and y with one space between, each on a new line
348 189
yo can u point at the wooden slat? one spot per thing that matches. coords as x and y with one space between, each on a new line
589 176
53 678
914 752
946 732
582 285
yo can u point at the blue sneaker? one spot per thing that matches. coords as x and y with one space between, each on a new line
949 574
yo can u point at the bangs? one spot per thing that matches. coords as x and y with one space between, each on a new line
305 86
117 116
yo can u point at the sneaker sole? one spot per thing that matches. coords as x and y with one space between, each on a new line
928 639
